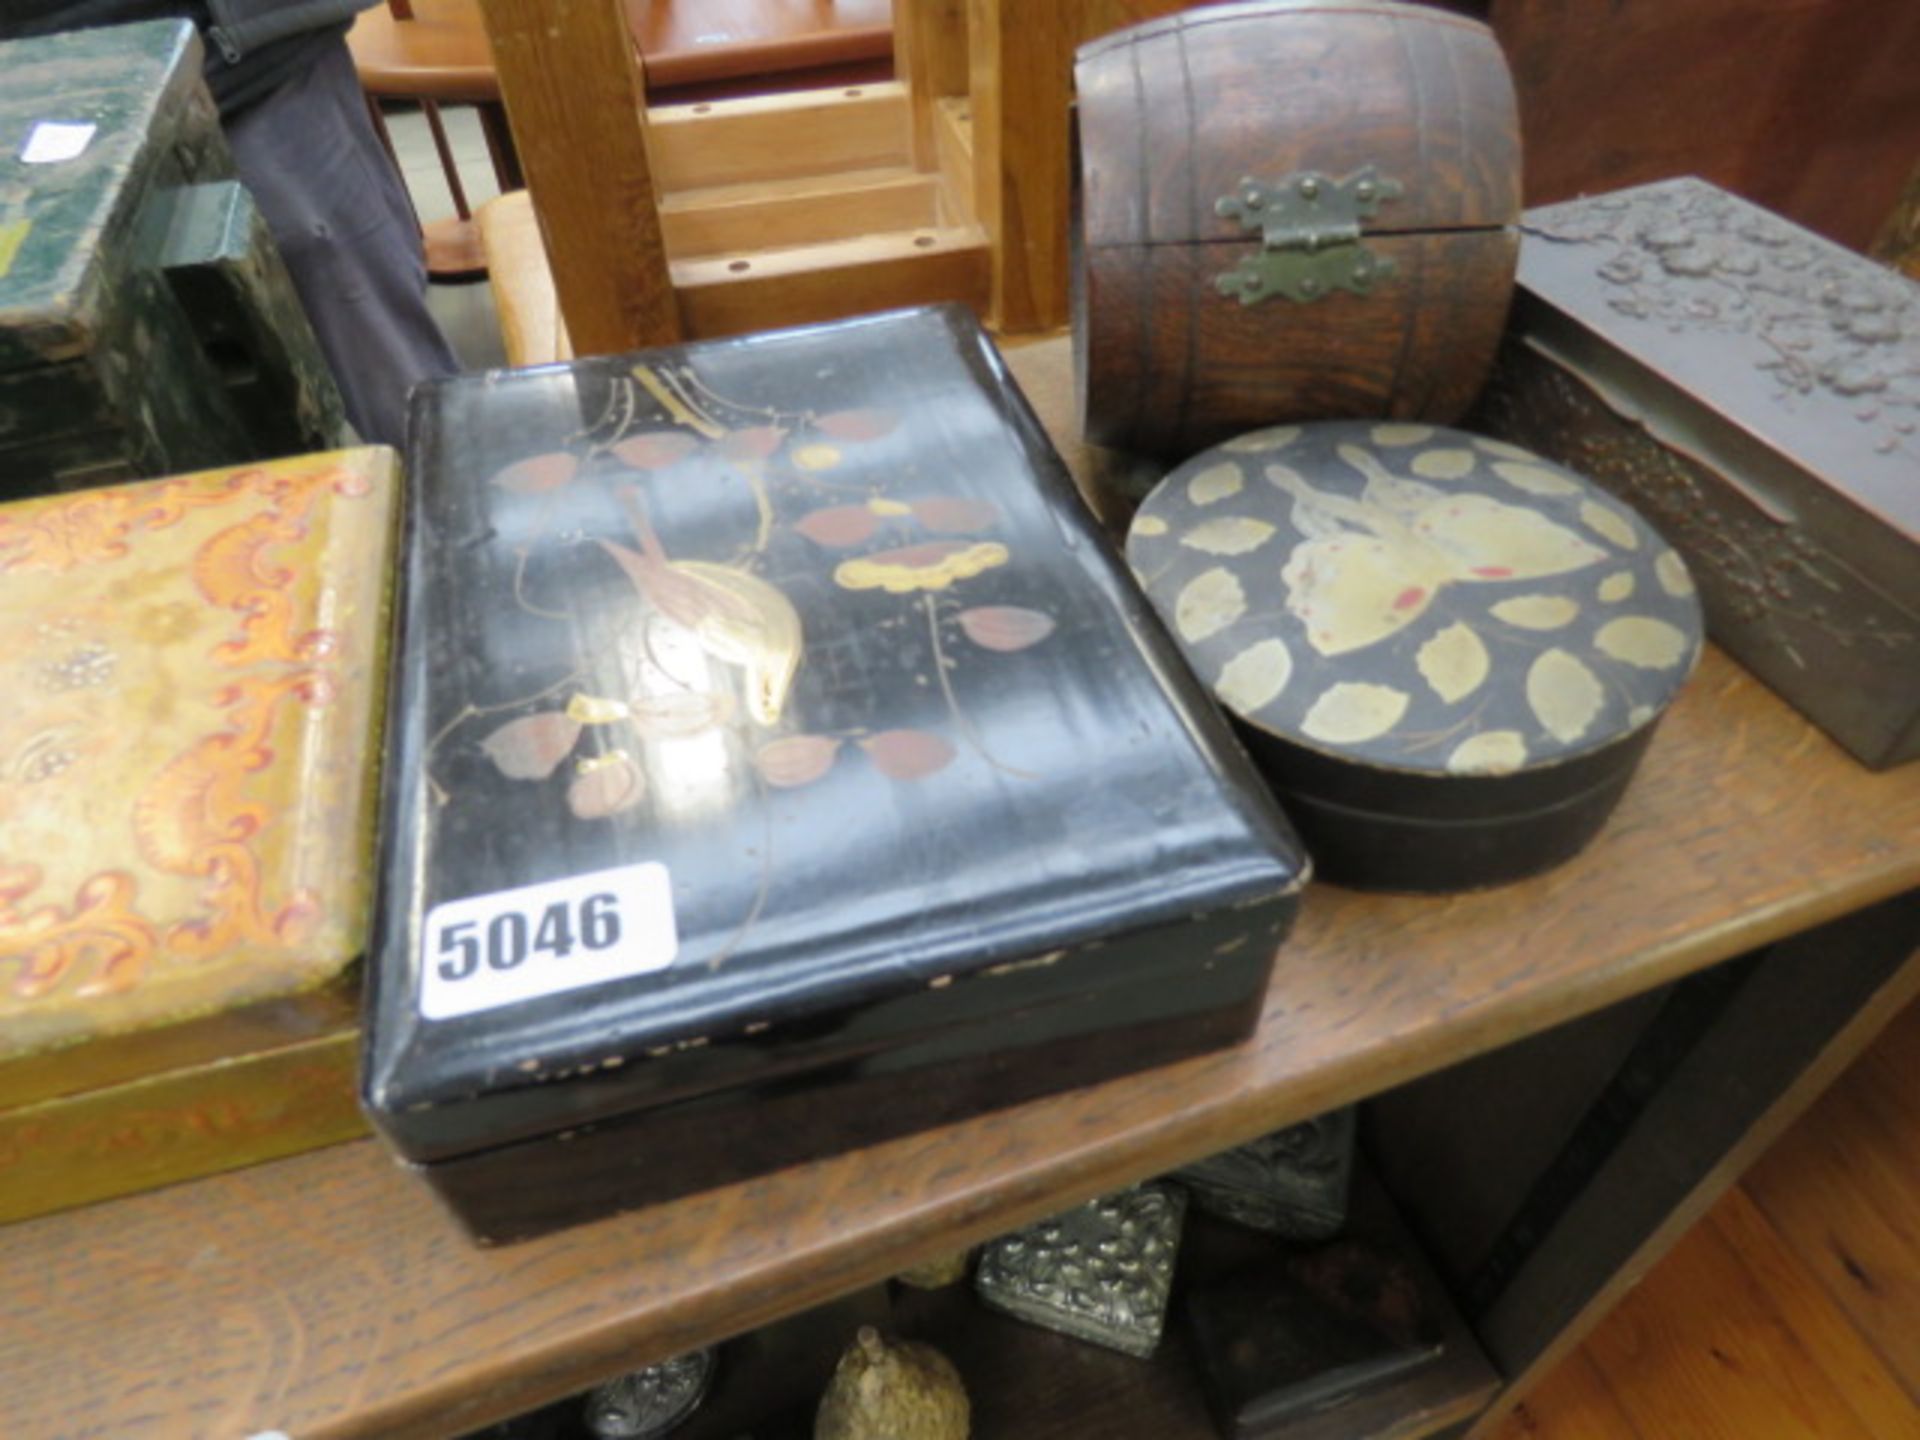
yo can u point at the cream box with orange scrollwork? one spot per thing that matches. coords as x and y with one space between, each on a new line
195 670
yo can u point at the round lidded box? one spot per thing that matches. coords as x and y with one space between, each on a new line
1446 653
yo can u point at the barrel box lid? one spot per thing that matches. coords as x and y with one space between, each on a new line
1176 114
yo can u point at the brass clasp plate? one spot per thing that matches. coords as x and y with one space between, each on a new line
1309 226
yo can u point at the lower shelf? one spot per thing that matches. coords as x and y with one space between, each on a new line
1027 1383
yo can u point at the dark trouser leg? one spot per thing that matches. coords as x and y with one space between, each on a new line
338 210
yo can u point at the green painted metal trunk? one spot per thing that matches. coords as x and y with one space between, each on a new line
147 324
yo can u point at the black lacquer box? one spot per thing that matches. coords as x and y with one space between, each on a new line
783 761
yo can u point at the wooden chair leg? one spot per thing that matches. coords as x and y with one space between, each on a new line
506 160
570 81
451 170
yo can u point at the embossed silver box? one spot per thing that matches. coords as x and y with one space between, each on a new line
651 1403
1292 1182
1101 1273
1754 391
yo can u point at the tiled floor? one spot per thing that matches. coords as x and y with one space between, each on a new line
421 165
465 311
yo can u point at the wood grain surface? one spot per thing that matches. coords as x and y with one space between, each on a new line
1898 243
779 137
1173 366
439 52
930 56
808 284
1807 107
1827 1262
716 40
1733 1301
531 330
1842 1189
1783 1031
1021 58
566 67
806 210
327 1297
1173 116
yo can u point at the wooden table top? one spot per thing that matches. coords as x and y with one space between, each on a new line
441 52
327 1296
708 40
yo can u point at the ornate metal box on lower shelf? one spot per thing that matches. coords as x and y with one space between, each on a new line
1755 391
785 762
147 325
195 670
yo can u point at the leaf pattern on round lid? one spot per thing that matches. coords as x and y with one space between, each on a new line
1491 752
1209 603
1536 479
1565 695
1228 535
1537 612
1610 524
1418 599
1255 676
1216 483
1444 463
1354 710
1279 437
1454 662
1671 571
1640 640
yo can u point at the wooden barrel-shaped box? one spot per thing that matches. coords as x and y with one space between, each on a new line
1290 210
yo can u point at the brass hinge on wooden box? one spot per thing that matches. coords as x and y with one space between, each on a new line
1309 226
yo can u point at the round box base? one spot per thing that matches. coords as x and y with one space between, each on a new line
1372 829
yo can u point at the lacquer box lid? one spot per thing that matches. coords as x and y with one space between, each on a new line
798 656
1431 636
82 139
1414 598
195 677
1809 349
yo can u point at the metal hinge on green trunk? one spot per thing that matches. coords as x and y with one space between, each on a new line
1309 226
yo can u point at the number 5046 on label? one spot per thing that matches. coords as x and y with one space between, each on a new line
515 945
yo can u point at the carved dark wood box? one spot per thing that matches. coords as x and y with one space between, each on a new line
147 324
1755 391
859 786
1290 210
